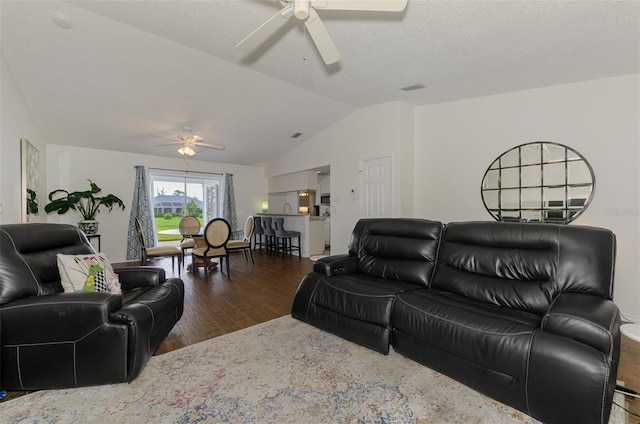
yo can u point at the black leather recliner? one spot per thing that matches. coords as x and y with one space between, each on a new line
352 295
50 339
520 312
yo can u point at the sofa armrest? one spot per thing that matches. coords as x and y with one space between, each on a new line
140 276
588 319
336 264
57 317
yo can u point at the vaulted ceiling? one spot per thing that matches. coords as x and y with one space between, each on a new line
127 75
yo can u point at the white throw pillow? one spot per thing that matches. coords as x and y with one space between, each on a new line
90 272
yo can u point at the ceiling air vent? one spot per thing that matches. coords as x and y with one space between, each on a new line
413 87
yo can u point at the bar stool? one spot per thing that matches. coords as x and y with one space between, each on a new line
283 238
269 234
258 232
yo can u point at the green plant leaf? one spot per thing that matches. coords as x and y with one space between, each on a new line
85 202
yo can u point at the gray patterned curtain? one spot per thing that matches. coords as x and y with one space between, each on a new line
229 203
142 209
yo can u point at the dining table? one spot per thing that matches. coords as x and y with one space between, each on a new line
176 232
200 242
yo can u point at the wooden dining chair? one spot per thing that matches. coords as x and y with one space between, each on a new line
245 243
158 251
217 233
188 226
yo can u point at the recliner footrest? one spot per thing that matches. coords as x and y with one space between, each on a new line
354 308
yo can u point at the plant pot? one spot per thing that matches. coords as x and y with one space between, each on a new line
88 226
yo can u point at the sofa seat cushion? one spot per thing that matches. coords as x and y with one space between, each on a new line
355 307
361 297
490 337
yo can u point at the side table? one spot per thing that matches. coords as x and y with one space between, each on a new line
629 367
92 236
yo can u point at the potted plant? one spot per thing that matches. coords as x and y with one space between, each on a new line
87 203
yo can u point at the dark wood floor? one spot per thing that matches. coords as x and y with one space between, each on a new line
255 293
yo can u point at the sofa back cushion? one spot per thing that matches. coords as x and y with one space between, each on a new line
524 265
401 249
28 263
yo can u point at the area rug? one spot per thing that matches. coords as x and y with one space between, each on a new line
281 371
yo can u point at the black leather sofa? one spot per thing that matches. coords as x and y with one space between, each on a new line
50 339
523 313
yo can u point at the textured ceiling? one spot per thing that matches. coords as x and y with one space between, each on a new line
129 72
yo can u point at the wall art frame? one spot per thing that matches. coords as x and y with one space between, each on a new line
30 181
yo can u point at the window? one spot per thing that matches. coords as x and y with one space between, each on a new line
175 196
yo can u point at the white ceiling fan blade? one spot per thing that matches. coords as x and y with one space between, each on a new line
367 5
162 137
209 146
266 30
322 39
190 138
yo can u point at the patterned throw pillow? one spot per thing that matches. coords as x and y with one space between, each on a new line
91 272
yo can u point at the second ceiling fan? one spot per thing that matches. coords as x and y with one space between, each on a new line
305 10
190 142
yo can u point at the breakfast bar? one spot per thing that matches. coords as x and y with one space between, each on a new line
311 229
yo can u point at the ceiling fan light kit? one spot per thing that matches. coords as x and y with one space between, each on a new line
305 10
186 150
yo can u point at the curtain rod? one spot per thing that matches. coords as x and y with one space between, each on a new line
187 171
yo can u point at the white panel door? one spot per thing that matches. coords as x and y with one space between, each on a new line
376 187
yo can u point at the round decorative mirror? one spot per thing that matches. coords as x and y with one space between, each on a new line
541 181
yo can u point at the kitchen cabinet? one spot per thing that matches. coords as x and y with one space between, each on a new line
324 184
303 201
296 181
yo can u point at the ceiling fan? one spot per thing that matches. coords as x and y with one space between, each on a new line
306 11
190 143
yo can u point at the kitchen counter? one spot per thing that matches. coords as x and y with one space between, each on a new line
282 214
311 230
292 215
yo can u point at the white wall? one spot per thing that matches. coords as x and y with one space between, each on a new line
438 164
369 132
16 123
70 167
455 143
